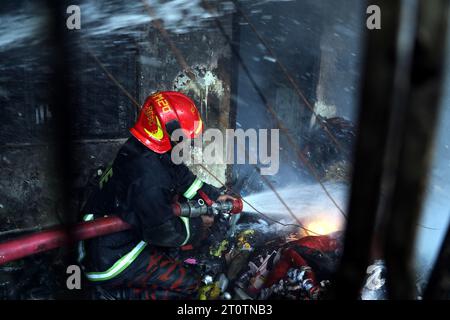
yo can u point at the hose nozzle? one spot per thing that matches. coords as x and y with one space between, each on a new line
196 208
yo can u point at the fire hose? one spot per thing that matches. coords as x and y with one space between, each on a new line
60 236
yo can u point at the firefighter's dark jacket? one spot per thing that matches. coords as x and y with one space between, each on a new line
140 187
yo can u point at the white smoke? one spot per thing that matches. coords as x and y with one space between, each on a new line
177 16
20 28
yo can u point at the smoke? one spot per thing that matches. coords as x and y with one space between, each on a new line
22 27
177 16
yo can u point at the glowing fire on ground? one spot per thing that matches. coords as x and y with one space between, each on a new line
323 225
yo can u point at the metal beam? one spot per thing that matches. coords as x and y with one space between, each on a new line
439 282
414 155
378 78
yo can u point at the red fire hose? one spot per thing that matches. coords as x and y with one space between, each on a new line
57 237
54 238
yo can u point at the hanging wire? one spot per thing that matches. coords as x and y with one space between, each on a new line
112 78
299 225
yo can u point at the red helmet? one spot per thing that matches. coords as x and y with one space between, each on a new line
161 114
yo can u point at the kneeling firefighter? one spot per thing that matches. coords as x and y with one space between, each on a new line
140 187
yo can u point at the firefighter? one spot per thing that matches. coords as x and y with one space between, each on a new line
140 187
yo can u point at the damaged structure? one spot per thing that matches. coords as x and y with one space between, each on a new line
328 224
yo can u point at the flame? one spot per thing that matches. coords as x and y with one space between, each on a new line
322 227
